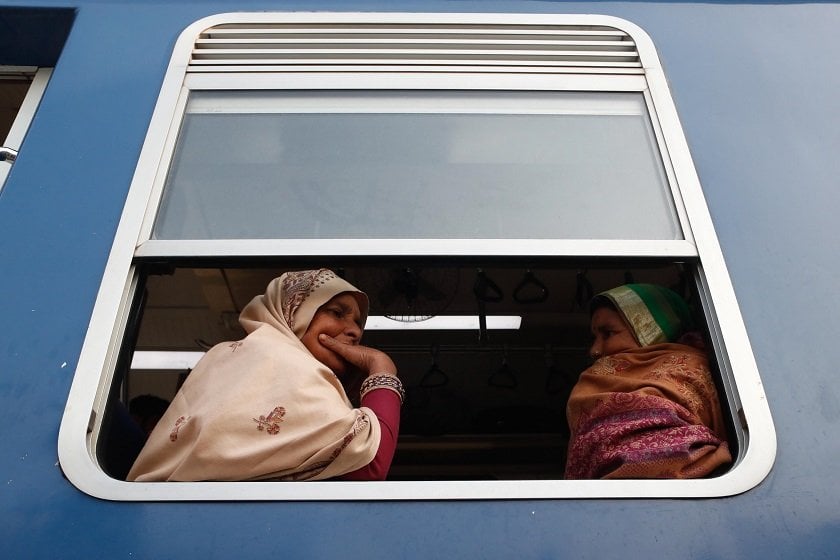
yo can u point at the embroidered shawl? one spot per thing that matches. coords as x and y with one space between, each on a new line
646 413
264 407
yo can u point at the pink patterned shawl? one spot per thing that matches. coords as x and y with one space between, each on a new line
646 413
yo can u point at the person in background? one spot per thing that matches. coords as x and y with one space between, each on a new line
147 410
647 407
272 405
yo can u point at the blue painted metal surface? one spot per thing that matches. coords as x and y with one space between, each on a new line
756 88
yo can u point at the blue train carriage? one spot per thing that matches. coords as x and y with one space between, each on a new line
480 175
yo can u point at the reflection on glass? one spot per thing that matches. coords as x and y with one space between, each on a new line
540 166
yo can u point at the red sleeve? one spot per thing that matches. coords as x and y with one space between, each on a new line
386 404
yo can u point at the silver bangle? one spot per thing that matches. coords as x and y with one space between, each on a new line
383 381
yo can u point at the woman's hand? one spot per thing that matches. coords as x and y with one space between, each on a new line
367 360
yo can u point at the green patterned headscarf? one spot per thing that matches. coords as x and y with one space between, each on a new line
655 314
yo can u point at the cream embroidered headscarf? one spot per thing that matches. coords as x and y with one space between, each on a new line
264 407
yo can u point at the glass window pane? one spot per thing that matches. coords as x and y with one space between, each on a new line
428 165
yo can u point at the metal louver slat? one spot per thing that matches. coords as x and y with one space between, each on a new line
373 43
274 46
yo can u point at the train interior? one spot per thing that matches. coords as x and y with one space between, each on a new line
486 395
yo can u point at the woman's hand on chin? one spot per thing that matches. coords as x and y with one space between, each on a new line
367 360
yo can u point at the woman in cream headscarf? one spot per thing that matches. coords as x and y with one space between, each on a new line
647 408
272 405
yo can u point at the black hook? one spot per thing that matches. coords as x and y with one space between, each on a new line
504 377
434 376
583 290
529 283
485 289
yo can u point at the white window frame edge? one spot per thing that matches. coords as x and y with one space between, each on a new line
75 447
26 113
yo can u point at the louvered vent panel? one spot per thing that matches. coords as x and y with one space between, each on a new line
291 46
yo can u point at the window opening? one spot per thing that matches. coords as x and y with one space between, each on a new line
12 93
485 406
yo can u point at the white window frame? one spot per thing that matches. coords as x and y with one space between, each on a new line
85 407
14 139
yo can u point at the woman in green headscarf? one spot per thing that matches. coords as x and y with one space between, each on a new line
647 408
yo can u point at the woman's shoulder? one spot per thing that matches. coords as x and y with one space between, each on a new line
655 356
667 348
264 345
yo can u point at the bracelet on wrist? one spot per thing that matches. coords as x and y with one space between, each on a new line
382 381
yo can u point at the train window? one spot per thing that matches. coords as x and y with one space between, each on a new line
21 89
314 164
421 156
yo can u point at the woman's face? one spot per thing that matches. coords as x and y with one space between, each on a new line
612 334
339 318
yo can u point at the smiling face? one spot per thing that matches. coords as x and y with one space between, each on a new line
339 318
611 332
